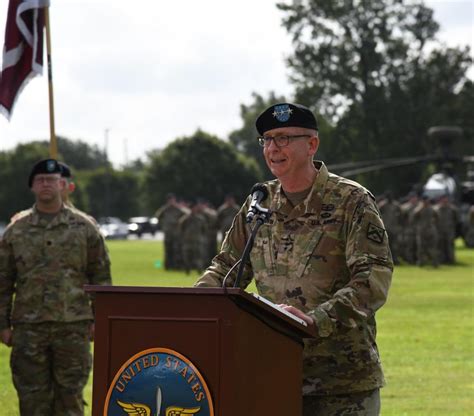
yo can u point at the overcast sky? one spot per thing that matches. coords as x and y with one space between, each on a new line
145 72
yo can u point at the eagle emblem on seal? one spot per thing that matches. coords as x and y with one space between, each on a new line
139 409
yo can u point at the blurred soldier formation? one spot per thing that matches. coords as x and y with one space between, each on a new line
191 231
421 230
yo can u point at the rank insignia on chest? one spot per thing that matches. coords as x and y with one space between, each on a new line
375 233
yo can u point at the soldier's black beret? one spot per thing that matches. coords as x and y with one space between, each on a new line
65 170
44 166
286 115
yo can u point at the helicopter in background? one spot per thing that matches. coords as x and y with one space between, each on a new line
443 182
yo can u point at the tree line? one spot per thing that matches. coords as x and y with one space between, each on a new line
373 72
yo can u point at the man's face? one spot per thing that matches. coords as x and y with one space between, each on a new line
47 186
288 161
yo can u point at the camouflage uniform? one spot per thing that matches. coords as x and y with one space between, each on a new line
44 263
426 228
448 216
329 257
469 228
168 217
193 228
225 216
365 403
391 216
408 238
210 215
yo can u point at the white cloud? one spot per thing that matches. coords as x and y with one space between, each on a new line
151 71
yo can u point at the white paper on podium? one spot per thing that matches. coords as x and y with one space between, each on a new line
275 306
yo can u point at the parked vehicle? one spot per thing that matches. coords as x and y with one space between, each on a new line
142 225
113 227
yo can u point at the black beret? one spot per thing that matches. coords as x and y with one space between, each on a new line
286 115
44 166
65 170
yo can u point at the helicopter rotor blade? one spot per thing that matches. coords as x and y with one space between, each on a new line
360 167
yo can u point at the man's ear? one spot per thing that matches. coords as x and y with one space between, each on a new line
313 145
71 187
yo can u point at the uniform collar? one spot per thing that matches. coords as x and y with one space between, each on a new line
61 217
312 203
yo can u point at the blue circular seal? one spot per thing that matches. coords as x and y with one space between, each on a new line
158 382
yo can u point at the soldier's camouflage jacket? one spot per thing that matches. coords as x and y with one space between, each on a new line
44 265
329 257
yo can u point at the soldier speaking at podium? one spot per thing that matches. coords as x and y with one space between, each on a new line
323 256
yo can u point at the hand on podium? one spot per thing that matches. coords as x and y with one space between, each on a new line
298 313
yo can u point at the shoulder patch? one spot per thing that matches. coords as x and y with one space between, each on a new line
375 233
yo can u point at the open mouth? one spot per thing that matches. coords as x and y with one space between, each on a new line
278 160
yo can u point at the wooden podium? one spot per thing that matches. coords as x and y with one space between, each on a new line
248 353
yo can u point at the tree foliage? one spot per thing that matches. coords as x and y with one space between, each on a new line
245 138
198 166
375 70
112 193
15 167
80 155
120 197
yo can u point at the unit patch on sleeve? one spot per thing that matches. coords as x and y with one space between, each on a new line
375 233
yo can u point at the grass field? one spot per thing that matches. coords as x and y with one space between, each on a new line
425 331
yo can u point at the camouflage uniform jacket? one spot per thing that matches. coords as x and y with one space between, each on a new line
225 216
45 265
169 216
329 257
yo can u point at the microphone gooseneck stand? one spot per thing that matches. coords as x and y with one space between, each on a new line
262 216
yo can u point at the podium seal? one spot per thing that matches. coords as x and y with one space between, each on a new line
158 382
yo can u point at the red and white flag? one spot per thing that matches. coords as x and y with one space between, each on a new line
23 50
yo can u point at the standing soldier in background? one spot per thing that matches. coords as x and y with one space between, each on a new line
226 213
210 214
448 219
469 230
69 185
168 218
68 188
193 228
391 216
407 222
426 226
46 257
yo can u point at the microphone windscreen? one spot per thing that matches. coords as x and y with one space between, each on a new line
260 187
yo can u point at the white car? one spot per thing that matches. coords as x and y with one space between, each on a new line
113 227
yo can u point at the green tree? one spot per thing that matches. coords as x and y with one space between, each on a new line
112 193
15 167
245 138
80 155
198 166
374 69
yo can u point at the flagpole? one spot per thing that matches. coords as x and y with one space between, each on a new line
53 144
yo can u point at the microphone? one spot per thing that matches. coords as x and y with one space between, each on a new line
259 193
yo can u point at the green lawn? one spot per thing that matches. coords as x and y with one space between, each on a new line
425 331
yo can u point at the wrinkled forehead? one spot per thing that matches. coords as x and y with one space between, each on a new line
47 175
288 131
